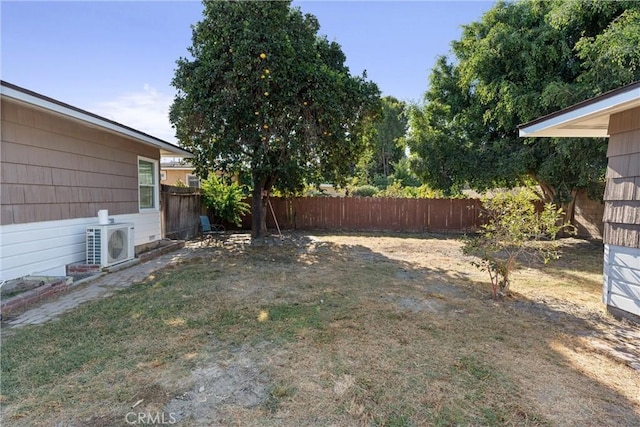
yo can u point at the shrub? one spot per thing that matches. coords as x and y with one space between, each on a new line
365 191
510 233
381 181
225 199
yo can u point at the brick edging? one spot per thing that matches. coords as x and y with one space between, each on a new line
24 299
63 284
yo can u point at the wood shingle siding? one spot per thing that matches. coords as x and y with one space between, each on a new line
57 168
622 192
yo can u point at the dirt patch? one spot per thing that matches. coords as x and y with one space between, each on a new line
240 380
413 304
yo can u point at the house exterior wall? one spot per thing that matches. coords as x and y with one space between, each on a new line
45 248
56 168
56 173
621 279
173 175
621 282
622 192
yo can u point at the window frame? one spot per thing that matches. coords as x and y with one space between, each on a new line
155 185
190 176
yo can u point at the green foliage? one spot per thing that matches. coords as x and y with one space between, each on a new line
512 228
394 190
403 174
612 57
180 183
426 192
385 140
397 190
263 94
520 61
226 199
365 191
381 181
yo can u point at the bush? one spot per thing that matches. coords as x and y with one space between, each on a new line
401 191
225 199
381 182
365 191
512 227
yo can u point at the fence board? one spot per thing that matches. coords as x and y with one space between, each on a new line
181 209
375 214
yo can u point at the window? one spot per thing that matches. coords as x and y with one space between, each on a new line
148 183
193 181
163 175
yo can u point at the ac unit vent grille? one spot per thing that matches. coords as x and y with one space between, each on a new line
94 243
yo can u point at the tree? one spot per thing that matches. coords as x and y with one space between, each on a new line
385 144
523 60
263 94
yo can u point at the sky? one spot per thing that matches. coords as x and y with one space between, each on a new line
117 58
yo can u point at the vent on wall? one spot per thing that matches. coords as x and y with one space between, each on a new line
109 244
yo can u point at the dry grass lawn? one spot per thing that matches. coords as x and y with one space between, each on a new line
329 330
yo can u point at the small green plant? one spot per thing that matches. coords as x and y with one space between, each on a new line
276 394
512 231
225 199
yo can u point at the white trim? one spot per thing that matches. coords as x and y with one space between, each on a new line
46 247
156 185
91 119
573 123
192 175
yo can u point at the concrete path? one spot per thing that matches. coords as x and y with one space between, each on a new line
100 287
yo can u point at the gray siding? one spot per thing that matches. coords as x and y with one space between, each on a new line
622 193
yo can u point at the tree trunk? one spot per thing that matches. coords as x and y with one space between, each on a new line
548 196
570 210
548 192
259 207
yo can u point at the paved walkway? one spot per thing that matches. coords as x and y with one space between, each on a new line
100 287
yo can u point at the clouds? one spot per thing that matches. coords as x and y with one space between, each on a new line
146 110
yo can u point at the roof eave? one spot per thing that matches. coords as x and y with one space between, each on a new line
586 119
12 91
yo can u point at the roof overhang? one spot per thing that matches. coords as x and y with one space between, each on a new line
586 119
26 96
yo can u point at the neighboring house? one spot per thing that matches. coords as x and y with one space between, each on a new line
174 170
60 165
616 115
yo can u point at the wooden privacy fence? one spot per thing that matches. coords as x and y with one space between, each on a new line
375 214
181 210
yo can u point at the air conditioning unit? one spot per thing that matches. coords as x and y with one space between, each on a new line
109 244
